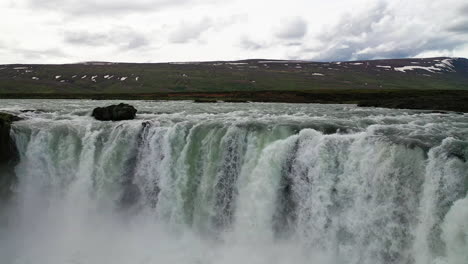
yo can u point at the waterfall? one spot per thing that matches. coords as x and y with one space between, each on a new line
230 191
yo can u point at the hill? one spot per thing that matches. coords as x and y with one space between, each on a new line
248 75
428 83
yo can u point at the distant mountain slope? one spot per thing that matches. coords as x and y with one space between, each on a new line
248 75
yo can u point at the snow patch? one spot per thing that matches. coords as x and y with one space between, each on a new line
123 79
97 63
317 74
93 78
382 66
411 68
137 78
356 63
20 68
280 61
84 76
184 63
446 64
58 76
35 78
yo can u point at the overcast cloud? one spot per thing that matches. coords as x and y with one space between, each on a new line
65 31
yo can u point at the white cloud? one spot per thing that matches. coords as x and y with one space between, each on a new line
186 31
53 31
122 37
293 28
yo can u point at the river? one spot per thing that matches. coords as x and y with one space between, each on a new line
219 183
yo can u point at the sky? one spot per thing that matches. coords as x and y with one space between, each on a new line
69 31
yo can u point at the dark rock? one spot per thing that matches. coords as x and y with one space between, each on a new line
7 146
205 100
115 112
8 155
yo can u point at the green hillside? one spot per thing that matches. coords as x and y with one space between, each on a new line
242 76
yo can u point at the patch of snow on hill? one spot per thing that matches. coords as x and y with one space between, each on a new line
447 64
386 67
443 65
317 74
58 76
184 63
35 78
411 68
123 79
280 61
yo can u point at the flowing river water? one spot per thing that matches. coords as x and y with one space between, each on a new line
221 183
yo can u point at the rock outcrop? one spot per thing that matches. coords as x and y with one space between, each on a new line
8 155
115 112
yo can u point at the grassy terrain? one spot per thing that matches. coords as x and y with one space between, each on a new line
252 75
434 83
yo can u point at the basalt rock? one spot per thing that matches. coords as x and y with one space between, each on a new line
115 112
8 155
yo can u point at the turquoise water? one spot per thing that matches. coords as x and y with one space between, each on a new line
237 183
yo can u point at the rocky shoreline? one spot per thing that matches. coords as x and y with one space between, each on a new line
436 100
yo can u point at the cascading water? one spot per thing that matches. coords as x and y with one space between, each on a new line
236 183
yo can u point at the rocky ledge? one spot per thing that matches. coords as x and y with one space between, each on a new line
8 155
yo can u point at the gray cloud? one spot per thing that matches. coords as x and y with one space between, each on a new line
36 54
248 44
294 28
380 33
186 32
464 9
92 7
123 38
459 27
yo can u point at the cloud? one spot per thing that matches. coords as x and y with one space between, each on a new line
186 31
91 7
168 30
36 54
459 27
124 38
381 32
464 9
293 28
248 44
